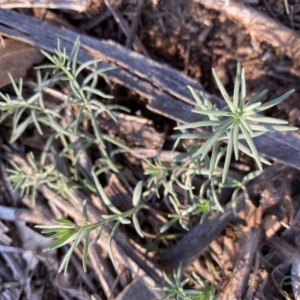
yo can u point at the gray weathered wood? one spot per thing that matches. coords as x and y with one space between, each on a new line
164 87
78 5
237 286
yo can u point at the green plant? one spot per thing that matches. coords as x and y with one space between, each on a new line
237 121
237 124
65 231
176 287
192 182
48 171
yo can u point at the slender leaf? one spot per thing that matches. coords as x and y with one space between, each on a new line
274 102
137 194
168 225
195 95
252 146
235 139
104 197
64 222
223 91
84 210
236 91
266 120
63 240
243 89
137 225
228 155
214 113
197 124
111 255
213 165
254 99
86 250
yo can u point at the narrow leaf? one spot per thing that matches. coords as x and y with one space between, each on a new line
137 225
68 237
85 251
195 95
97 92
64 221
104 197
20 129
235 139
251 176
74 55
197 124
84 210
208 144
256 98
124 220
266 120
243 89
167 225
137 194
111 255
212 165
246 126
228 155
236 91
248 152
275 101
214 113
66 260
199 136
272 128
252 146
78 119
223 91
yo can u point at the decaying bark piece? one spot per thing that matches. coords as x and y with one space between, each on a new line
259 24
78 5
296 274
136 290
117 194
194 241
16 58
239 281
134 130
158 83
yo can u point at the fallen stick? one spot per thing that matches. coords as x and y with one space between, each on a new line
237 286
77 5
198 238
259 24
164 87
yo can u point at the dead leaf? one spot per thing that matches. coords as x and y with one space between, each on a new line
16 58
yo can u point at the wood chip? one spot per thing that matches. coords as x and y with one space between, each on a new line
16 58
239 281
